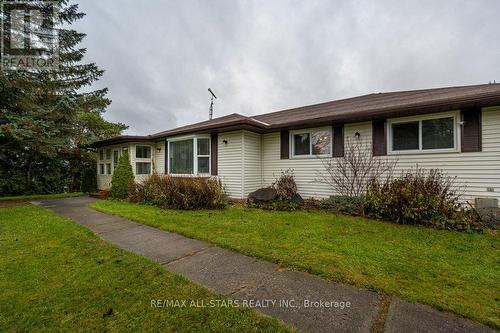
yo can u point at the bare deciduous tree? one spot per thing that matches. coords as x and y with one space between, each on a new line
350 174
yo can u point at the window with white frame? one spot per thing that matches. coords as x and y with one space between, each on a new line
143 168
143 152
101 154
189 156
143 160
315 142
108 168
108 154
431 133
101 169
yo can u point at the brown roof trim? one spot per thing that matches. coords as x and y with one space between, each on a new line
120 139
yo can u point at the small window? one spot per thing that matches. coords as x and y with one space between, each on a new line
321 143
405 136
108 168
101 168
108 154
312 143
203 149
143 168
143 152
437 133
302 144
101 154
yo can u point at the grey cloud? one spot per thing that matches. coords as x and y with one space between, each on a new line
260 56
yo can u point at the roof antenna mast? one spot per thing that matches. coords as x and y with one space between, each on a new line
211 109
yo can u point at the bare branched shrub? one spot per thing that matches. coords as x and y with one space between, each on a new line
285 185
351 174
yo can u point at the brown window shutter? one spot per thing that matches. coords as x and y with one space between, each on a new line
471 129
214 153
285 144
338 140
166 157
379 137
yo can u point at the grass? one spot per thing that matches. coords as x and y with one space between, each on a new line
452 271
58 276
42 196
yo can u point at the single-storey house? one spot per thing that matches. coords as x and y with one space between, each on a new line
455 129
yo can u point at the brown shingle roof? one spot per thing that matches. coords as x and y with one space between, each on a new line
361 108
386 104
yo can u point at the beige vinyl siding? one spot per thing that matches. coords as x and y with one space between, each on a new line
230 163
475 171
159 157
304 169
252 160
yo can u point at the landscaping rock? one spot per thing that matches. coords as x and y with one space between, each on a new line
265 194
490 215
297 199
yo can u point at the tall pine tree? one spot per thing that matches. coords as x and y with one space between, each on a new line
47 117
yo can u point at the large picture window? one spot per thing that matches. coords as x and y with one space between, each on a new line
190 156
424 134
311 143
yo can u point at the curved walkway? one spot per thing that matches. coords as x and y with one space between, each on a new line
302 300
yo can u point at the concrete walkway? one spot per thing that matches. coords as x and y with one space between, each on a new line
300 299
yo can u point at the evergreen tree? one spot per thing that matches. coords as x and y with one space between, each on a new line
47 117
122 176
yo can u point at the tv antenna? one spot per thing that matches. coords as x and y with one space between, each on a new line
211 109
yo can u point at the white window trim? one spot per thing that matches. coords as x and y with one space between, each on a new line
456 132
310 131
195 155
143 160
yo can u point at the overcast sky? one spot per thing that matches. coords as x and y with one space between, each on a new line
261 56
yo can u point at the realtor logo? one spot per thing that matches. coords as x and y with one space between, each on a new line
29 39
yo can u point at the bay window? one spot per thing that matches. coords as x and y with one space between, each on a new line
431 133
307 143
189 156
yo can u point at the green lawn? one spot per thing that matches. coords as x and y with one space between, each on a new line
454 271
58 276
42 196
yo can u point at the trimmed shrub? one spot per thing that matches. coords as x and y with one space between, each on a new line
285 185
122 176
88 183
179 192
423 197
343 204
